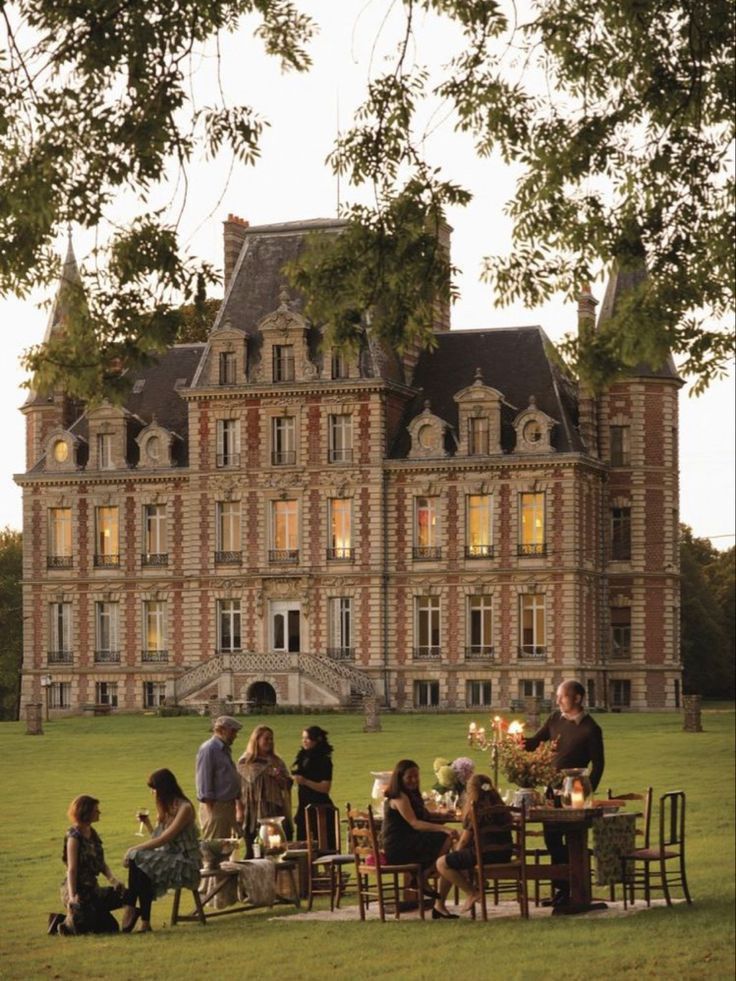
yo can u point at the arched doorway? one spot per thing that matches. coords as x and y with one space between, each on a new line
261 695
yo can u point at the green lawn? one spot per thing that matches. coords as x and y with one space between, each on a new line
111 758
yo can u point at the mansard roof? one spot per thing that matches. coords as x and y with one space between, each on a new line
516 361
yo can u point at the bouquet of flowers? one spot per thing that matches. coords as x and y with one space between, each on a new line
526 768
451 777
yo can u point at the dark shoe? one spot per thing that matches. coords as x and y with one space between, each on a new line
430 893
129 924
64 930
438 914
54 920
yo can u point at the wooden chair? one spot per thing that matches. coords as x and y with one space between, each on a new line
489 875
376 880
643 827
671 847
324 854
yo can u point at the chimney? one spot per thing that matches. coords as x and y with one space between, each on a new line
234 230
587 403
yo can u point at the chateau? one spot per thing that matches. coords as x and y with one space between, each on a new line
268 520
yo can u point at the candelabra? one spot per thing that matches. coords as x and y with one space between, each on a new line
477 738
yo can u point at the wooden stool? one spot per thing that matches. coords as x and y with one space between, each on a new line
199 914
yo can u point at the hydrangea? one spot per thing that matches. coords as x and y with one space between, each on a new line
439 762
446 776
463 768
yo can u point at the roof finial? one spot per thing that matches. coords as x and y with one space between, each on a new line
532 401
478 376
427 405
284 297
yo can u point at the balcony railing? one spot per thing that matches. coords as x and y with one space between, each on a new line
479 652
341 653
228 558
59 561
286 555
154 657
342 455
426 653
59 657
340 554
537 549
620 655
107 657
424 553
155 558
228 459
283 458
531 652
107 561
479 551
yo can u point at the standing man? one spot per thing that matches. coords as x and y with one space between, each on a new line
579 744
218 782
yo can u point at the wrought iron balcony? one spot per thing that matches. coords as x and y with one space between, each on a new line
424 553
286 555
155 558
342 455
430 653
479 652
341 554
107 657
59 561
479 551
228 558
283 458
59 657
536 549
154 657
107 561
341 653
228 459
532 652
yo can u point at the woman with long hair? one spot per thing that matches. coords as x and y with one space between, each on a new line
495 834
265 782
88 905
409 835
312 772
170 858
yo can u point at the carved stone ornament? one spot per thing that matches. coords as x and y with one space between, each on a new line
224 490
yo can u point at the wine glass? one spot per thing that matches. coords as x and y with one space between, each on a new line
141 813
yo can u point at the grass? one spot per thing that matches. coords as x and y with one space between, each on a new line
111 758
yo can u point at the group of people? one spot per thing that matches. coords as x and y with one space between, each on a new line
234 797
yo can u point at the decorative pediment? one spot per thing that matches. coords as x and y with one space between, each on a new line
154 445
533 430
227 359
479 418
427 433
61 451
285 351
107 437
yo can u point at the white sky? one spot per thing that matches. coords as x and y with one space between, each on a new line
291 181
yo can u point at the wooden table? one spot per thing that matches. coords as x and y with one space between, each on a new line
575 823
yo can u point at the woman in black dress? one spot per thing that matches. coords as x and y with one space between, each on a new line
312 772
409 835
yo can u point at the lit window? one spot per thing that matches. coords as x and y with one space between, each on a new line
284 531
107 553
154 631
61 451
531 524
340 531
478 526
426 528
60 537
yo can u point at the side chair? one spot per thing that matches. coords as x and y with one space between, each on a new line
669 849
643 828
325 859
489 874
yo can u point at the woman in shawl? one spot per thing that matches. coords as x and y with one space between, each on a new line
266 784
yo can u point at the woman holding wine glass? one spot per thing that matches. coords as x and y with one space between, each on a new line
170 858
266 784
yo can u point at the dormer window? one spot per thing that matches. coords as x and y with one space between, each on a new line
104 451
479 418
427 432
154 443
478 436
533 430
61 451
227 367
339 365
153 449
283 362
428 437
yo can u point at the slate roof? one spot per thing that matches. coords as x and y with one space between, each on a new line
517 361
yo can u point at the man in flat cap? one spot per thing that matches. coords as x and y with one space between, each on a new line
218 782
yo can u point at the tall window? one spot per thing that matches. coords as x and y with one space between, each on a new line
106 693
426 528
620 452
478 436
426 694
480 628
228 443
427 628
531 688
340 531
479 526
107 552
228 532
621 533
60 633
341 438
104 451
531 524
107 648
620 693
154 631
621 633
341 635
477 693
155 546
283 362
60 538
532 632
228 625
227 367
284 531
339 364
154 694
60 695
283 441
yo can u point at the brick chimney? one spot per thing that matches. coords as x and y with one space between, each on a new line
234 230
587 404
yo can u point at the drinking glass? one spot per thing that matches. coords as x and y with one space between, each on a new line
141 813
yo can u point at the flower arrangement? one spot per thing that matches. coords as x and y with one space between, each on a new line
451 777
528 768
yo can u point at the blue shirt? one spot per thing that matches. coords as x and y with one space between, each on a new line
216 776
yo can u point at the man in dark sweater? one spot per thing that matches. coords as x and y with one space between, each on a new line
579 744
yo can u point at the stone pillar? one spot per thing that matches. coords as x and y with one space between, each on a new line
34 719
217 707
691 713
531 710
370 707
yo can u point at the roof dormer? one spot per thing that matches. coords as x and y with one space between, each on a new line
479 418
61 451
533 430
227 362
155 446
427 433
107 437
285 349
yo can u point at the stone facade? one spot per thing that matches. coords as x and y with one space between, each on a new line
267 520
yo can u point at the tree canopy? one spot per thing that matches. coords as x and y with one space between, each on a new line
617 112
11 621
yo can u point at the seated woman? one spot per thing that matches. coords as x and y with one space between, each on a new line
170 858
266 784
494 831
312 772
88 905
408 835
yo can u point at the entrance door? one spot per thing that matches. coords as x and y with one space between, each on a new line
286 627
261 695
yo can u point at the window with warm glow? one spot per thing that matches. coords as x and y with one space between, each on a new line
154 625
340 534
285 525
60 532
425 523
478 525
531 523
108 545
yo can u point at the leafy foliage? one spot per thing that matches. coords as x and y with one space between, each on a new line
11 621
528 768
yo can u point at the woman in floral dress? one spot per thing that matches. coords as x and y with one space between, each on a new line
170 859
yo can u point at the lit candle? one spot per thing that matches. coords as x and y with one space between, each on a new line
274 841
577 798
472 727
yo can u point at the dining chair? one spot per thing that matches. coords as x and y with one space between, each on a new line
325 859
670 848
378 881
489 874
642 832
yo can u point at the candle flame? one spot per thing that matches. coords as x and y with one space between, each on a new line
516 728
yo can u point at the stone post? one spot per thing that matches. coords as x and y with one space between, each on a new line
34 718
691 713
370 707
531 710
217 707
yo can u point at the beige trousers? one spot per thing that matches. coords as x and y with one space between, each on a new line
217 820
